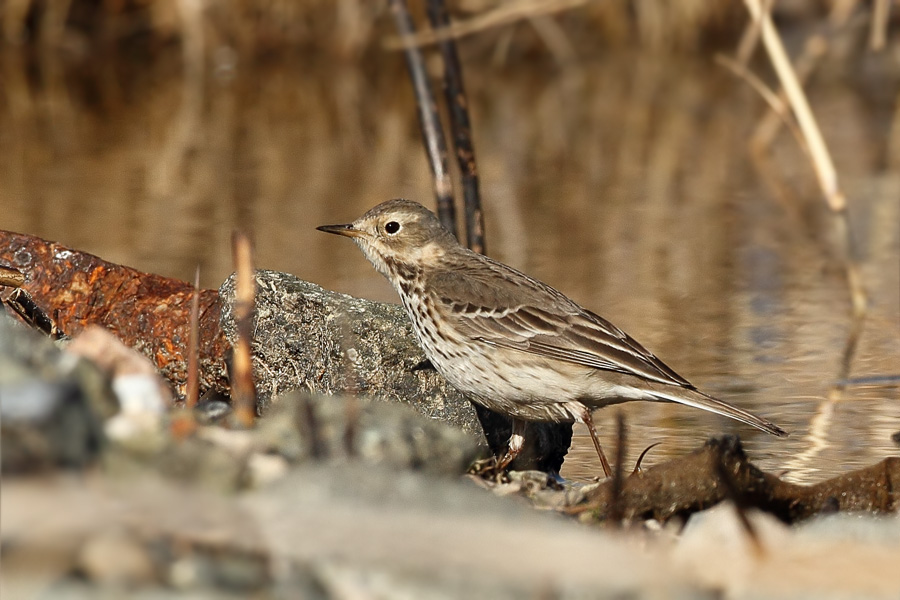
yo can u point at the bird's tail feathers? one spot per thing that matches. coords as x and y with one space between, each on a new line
698 399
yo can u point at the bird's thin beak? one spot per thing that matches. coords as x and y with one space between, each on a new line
346 230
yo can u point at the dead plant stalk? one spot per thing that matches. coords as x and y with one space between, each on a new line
822 165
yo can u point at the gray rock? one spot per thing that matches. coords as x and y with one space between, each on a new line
306 337
300 426
348 530
113 558
51 403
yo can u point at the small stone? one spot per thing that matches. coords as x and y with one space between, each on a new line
263 469
117 559
212 411
190 572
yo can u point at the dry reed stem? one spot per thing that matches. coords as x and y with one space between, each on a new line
841 11
616 508
821 158
193 367
461 129
776 103
767 128
750 38
738 500
243 395
826 173
554 38
881 10
804 65
505 14
429 119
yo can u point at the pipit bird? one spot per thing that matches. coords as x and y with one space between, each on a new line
509 342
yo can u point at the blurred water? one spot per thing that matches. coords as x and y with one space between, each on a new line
626 183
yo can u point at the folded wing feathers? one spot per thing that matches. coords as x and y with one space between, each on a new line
583 339
497 315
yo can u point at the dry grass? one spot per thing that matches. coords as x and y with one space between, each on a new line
350 28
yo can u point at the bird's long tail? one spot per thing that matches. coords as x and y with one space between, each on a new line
697 399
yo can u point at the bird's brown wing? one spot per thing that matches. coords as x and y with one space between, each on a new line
500 306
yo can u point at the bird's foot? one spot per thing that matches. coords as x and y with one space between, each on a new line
493 468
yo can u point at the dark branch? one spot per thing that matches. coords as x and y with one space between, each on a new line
458 107
435 144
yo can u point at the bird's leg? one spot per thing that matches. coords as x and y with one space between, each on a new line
589 421
516 443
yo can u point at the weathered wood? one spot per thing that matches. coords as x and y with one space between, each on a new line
690 483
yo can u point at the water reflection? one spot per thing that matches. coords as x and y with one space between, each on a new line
623 182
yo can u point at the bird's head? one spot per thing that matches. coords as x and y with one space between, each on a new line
397 234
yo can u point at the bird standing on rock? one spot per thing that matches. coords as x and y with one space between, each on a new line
509 342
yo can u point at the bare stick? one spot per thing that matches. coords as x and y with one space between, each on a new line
813 50
776 103
11 277
765 131
24 305
435 145
458 106
881 10
826 174
616 512
750 38
735 494
243 394
193 366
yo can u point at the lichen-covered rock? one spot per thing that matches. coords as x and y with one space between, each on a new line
298 429
306 337
301 426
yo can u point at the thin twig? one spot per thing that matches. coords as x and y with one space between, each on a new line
351 428
11 277
455 95
776 104
616 507
308 423
881 10
435 145
826 174
243 395
768 126
193 367
24 305
733 492
750 39
640 459
813 50
821 158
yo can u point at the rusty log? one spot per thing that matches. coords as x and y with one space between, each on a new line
148 312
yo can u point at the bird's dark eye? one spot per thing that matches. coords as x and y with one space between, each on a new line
392 227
